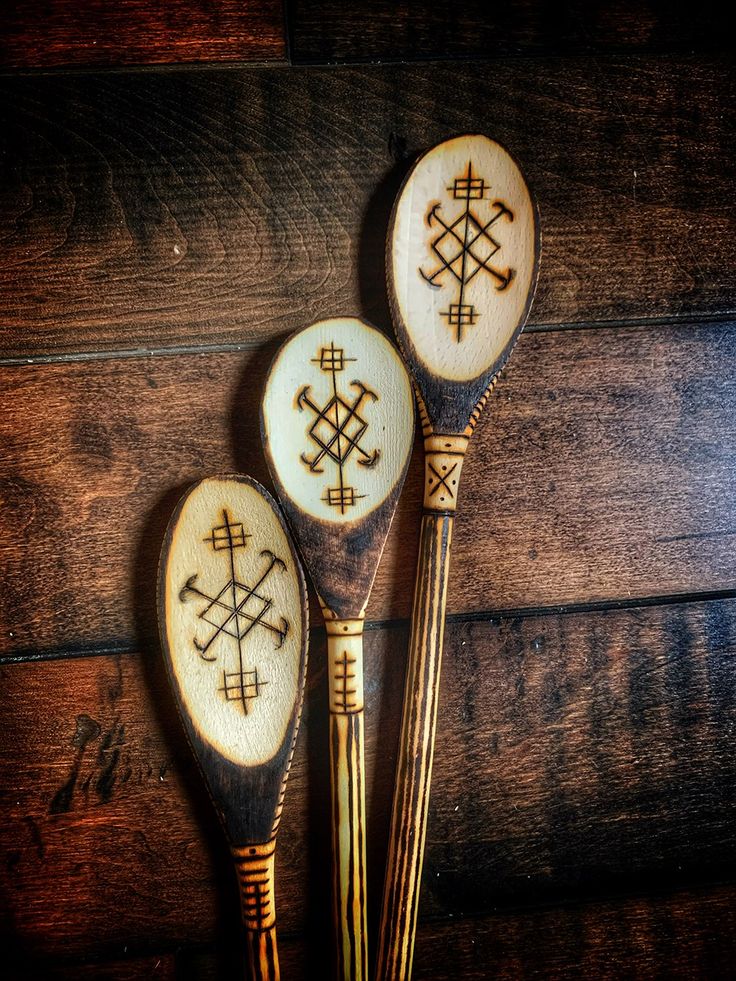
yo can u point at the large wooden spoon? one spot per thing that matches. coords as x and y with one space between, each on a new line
233 618
462 258
338 426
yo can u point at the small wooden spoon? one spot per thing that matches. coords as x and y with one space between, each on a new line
338 426
234 626
462 257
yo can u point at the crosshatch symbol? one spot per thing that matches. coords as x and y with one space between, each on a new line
338 428
331 358
237 686
468 188
227 536
465 247
236 610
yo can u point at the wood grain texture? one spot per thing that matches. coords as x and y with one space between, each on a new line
156 967
263 960
61 33
331 31
344 669
683 936
686 935
160 209
255 867
107 872
601 470
578 754
242 716
349 832
408 830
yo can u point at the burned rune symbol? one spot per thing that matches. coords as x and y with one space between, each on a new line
439 480
344 682
235 611
338 428
465 246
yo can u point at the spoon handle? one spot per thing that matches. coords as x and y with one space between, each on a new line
345 660
416 746
254 865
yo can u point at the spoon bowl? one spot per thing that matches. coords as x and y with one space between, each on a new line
234 630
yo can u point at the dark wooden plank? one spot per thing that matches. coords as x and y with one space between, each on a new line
601 470
88 849
683 936
61 33
580 756
689 934
157 967
159 209
385 30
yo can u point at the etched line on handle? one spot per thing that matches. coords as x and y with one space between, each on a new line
416 752
348 805
263 957
254 865
345 665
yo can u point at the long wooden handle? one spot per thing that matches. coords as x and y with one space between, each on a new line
254 864
345 658
416 752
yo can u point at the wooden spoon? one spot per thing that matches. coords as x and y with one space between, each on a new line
462 258
234 626
338 425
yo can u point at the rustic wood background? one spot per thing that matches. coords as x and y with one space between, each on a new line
183 184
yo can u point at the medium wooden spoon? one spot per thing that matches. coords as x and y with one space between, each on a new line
234 626
338 426
462 256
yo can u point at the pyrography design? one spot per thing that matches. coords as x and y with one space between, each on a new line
235 611
344 680
439 482
255 894
338 428
465 247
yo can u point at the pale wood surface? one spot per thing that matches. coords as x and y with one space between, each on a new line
238 676
462 261
337 421
326 383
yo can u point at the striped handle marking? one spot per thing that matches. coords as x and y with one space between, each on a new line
255 868
345 658
416 749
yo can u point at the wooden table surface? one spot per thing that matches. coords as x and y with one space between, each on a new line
183 185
